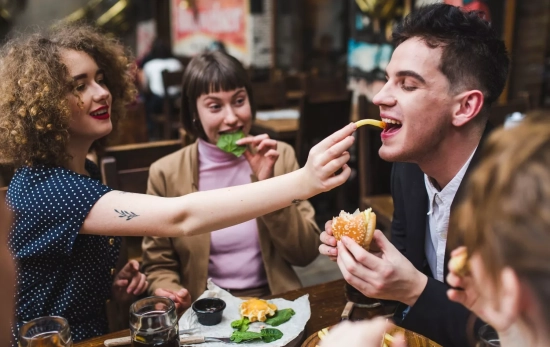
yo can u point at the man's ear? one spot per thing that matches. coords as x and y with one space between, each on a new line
468 107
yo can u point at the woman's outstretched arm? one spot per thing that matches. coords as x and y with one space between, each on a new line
126 214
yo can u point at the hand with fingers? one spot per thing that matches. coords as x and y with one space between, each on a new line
263 155
129 282
325 159
370 333
328 242
181 298
382 273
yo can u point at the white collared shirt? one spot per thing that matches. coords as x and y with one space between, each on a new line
439 211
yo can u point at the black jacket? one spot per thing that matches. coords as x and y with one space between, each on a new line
433 315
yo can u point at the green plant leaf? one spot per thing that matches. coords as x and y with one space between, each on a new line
244 336
227 143
280 317
241 324
271 334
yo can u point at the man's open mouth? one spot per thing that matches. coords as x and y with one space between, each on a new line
392 125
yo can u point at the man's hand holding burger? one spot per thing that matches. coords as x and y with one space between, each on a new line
382 272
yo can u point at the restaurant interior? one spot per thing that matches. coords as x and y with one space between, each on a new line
314 66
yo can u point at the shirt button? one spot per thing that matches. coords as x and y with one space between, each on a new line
111 241
113 271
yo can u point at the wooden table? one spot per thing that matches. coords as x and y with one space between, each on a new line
327 303
278 129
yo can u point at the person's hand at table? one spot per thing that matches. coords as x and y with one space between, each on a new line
181 298
328 242
263 156
383 273
129 282
361 334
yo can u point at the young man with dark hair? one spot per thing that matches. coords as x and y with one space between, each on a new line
447 69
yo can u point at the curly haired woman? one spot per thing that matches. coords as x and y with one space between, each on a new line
59 93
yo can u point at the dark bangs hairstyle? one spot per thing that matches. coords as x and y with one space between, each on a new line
207 73
34 84
473 56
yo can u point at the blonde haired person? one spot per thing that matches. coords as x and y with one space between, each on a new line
59 93
504 223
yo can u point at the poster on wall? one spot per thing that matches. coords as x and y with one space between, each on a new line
145 35
196 29
369 45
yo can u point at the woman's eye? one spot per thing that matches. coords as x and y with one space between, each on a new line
101 81
239 101
80 87
214 107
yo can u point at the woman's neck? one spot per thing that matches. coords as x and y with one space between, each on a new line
78 151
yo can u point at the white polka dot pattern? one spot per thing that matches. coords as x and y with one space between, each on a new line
60 272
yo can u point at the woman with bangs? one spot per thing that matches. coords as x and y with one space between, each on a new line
61 92
504 226
251 259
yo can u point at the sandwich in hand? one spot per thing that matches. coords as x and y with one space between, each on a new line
358 226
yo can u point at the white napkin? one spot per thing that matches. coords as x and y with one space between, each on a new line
290 329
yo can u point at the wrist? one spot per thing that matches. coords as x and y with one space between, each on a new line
305 188
419 284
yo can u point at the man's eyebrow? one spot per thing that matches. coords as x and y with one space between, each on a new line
409 73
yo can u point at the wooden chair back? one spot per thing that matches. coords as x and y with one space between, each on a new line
320 118
269 95
126 167
171 103
374 172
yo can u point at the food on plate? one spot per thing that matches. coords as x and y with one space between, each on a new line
227 143
280 317
257 310
459 263
358 226
266 335
376 123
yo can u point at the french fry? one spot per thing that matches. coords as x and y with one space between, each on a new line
374 122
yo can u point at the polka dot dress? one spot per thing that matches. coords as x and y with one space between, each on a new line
60 272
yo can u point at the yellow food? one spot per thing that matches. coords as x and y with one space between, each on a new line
358 226
376 123
459 263
257 310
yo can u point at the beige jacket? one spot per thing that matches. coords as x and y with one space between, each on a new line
287 237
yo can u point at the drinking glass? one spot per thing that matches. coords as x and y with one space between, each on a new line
49 331
154 323
488 336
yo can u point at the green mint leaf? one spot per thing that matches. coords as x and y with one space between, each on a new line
245 336
280 317
227 143
270 334
241 324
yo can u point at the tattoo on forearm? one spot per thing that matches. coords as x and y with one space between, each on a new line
126 214
295 201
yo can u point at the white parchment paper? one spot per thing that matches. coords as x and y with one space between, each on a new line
290 329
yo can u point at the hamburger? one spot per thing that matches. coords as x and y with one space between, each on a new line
358 226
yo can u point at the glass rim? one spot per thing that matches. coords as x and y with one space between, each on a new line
170 303
64 327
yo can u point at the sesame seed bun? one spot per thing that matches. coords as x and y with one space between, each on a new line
358 226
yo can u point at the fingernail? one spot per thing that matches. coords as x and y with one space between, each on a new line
181 292
172 297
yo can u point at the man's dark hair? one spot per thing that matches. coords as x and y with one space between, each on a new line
473 56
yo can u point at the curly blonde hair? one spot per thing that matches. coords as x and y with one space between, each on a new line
34 83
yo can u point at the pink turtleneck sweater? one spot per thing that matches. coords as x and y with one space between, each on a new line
235 254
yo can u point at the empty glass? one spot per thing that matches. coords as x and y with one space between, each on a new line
46 332
154 323
488 336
